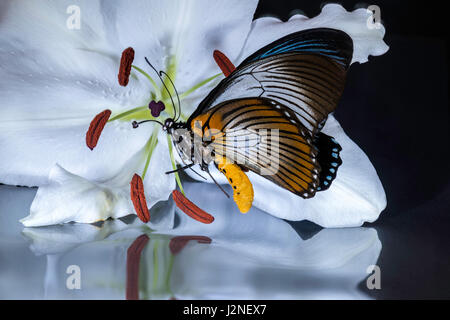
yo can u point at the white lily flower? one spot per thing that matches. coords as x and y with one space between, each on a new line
55 79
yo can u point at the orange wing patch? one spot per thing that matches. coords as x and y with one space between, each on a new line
258 120
207 125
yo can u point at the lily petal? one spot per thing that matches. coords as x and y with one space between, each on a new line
366 41
68 197
54 79
355 196
49 71
188 30
33 148
157 184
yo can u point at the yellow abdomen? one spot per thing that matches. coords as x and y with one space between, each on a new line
242 187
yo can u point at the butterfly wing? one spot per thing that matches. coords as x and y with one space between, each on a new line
265 137
331 43
305 71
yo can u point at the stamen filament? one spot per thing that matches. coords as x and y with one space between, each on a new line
151 144
155 86
177 177
198 85
128 112
170 72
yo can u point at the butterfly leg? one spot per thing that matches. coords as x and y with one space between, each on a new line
242 187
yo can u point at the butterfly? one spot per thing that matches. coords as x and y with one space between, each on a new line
266 116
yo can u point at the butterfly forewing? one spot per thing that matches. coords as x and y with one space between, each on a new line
304 71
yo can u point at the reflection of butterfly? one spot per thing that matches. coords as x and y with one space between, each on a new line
290 85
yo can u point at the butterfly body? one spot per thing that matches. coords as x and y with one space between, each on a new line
266 116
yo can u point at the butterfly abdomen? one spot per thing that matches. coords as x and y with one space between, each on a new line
242 187
329 159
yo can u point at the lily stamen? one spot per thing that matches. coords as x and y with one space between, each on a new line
224 63
138 198
125 66
164 98
188 207
96 127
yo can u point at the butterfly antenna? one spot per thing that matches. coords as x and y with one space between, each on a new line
189 166
176 92
181 168
136 124
164 84
198 174
220 187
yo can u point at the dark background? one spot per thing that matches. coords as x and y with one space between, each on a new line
396 109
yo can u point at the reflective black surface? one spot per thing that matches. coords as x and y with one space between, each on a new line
252 256
396 109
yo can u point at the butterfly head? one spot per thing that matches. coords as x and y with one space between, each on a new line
169 125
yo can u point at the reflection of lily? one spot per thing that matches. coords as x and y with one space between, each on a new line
55 80
238 256
133 260
329 265
63 238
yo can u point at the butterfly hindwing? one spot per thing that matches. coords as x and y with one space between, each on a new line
329 159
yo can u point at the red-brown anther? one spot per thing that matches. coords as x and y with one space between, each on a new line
191 209
133 262
96 128
224 63
138 198
125 66
179 242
